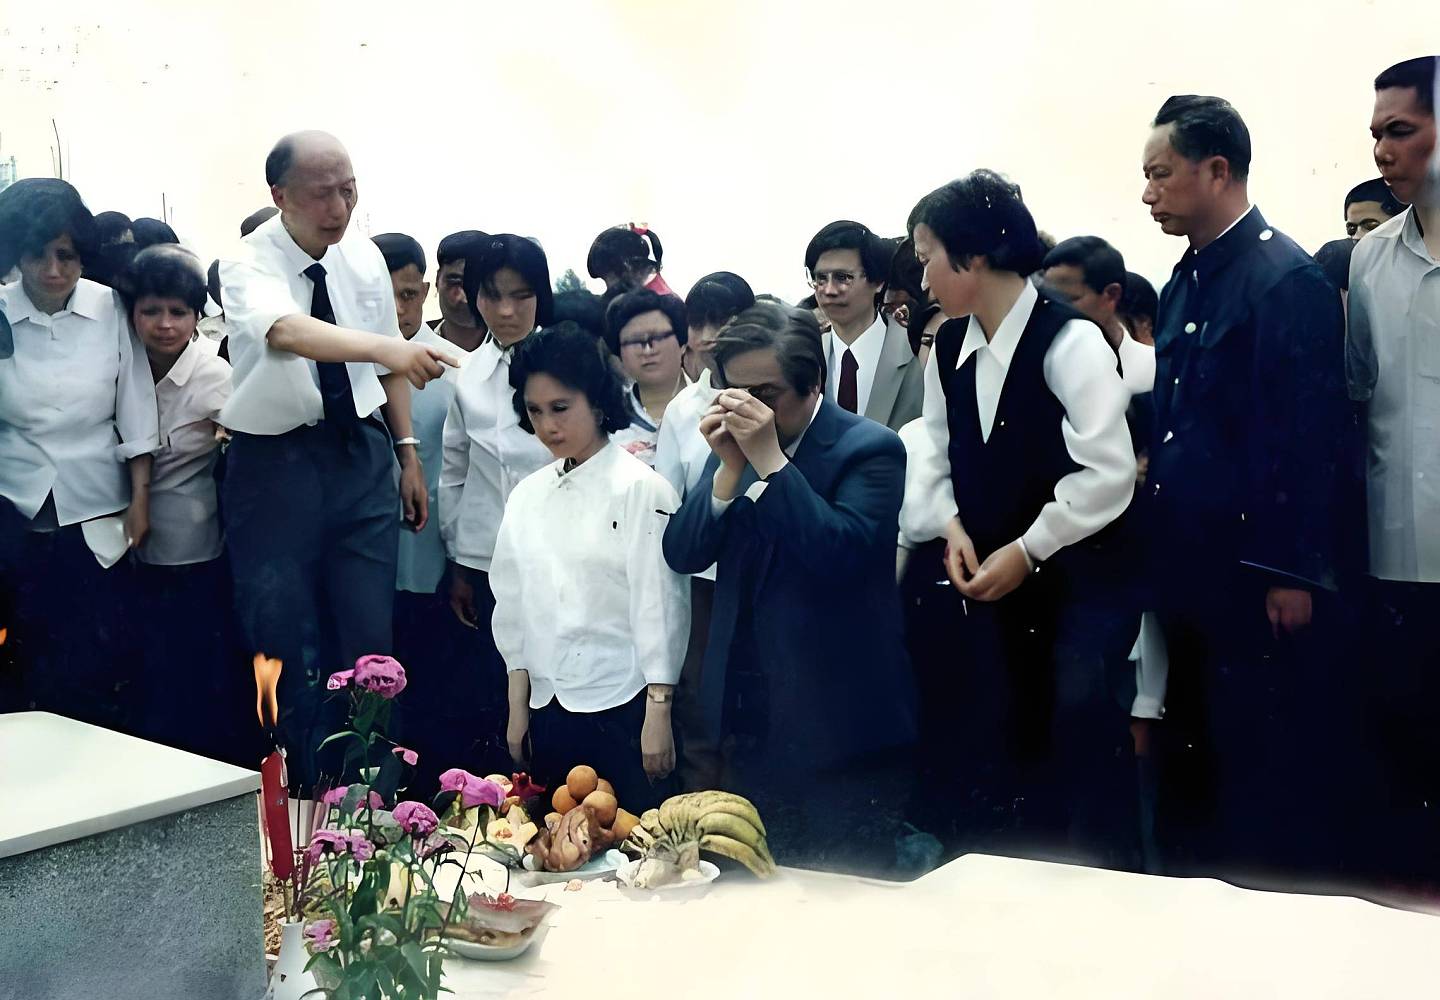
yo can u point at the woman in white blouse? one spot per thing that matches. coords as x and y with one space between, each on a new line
647 332
181 577
485 454
77 428
591 621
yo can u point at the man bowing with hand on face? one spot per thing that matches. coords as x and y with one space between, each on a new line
805 674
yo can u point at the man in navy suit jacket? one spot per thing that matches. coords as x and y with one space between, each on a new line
805 671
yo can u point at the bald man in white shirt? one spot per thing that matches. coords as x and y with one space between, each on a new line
309 498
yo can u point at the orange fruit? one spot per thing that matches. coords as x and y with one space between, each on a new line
603 805
581 781
624 823
562 800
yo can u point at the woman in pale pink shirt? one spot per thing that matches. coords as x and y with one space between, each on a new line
192 669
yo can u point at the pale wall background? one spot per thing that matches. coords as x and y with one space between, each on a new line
735 129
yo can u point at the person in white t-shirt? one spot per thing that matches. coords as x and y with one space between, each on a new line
77 431
681 454
590 620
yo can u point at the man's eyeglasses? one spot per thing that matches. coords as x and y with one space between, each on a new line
648 344
842 279
1368 225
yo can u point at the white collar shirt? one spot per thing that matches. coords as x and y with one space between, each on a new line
184 515
584 600
486 453
681 451
1393 363
1079 369
867 350
263 280
77 401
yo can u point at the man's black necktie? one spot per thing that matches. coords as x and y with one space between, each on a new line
334 379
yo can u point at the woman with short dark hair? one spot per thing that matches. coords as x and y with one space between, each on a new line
485 454
1030 465
183 583
591 622
77 429
647 333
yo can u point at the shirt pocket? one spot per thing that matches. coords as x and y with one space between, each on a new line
369 307
1425 349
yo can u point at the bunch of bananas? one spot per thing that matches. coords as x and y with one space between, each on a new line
718 822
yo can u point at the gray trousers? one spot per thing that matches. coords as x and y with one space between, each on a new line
311 526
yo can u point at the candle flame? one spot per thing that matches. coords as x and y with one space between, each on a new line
267 680
4 634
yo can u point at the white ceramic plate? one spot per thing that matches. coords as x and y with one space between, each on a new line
626 871
594 868
485 953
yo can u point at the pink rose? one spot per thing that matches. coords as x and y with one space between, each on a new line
416 818
407 755
339 679
380 675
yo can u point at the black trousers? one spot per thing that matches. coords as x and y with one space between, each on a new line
456 694
310 522
1251 777
1402 733
68 625
608 741
197 685
700 767
1044 763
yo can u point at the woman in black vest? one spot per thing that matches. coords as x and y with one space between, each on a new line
1027 476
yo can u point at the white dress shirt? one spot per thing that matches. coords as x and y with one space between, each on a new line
1393 361
1137 365
421 561
867 350
263 280
681 451
77 401
486 455
184 516
1079 368
584 600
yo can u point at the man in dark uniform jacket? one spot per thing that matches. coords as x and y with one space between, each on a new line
1240 497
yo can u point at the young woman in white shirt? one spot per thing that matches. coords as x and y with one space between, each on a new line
647 332
506 280
193 680
77 429
590 620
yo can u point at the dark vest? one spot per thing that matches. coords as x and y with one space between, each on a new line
1001 485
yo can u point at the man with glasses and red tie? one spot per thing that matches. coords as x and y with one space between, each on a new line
309 499
870 368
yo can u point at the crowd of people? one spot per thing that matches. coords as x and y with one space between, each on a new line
984 546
